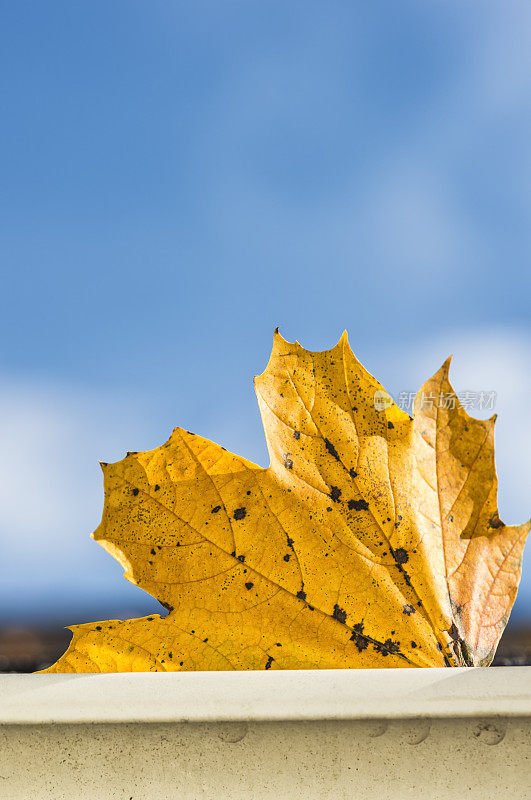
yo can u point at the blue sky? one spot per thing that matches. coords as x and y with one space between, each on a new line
180 178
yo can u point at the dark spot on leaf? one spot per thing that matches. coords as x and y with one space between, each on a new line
339 614
331 449
166 606
390 424
215 509
269 661
400 555
240 513
249 585
296 435
98 627
241 558
301 594
352 472
358 505
153 551
384 648
335 493
287 557
413 644
150 619
290 542
135 491
495 522
288 462
156 487
358 638
329 508
408 610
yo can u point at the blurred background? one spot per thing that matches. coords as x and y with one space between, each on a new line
178 179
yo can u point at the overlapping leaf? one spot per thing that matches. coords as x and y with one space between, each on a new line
372 540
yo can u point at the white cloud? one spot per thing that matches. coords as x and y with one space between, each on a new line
51 438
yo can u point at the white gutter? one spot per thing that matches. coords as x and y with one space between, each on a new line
386 734
258 695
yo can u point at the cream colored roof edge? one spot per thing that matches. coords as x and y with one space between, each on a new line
260 696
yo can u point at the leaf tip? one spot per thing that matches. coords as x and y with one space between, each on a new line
279 342
446 365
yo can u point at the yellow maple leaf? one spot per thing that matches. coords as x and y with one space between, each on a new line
371 540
